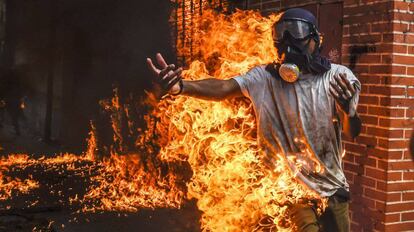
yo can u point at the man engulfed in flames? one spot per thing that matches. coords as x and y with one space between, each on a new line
301 103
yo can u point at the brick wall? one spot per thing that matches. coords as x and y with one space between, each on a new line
378 44
399 209
367 47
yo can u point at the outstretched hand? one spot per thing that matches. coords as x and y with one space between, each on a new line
343 91
167 75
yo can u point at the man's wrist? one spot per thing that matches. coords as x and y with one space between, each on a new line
181 85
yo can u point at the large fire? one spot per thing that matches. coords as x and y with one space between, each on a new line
237 187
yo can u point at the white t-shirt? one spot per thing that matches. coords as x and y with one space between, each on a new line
301 118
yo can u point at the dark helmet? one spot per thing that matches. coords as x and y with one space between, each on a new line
298 23
299 14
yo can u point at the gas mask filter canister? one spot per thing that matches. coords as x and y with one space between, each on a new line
289 72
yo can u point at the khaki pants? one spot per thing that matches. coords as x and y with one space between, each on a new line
335 218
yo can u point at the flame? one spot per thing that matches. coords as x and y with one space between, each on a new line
235 187
233 184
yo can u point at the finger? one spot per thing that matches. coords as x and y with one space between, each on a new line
333 92
348 83
166 70
345 91
340 83
174 81
168 79
161 61
336 88
152 67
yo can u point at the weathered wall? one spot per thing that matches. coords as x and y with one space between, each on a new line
89 47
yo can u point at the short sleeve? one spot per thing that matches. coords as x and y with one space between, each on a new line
252 83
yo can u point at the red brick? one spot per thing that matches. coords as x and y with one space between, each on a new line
382 164
407 216
402 80
365 160
410 49
367 202
394 176
401 5
362 109
386 59
367 140
369 58
403 16
408 102
380 90
370 79
404 186
410 113
390 48
382 132
354 168
395 217
380 205
393 122
393 197
381 186
371 120
380 69
357 148
376 174
397 144
386 111
381 27
398 207
365 182
401 165
395 133
395 154
377 195
402 27
403 226
377 9
410 70
359 29
375 152
408 196
361 18
398 69
400 59
408 133
399 38
408 175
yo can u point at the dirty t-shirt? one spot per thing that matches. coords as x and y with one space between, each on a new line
301 120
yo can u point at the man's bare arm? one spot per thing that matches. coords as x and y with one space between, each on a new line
212 89
352 126
343 92
169 79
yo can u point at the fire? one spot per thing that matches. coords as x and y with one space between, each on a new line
232 180
236 185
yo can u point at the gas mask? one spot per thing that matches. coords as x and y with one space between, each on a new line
292 35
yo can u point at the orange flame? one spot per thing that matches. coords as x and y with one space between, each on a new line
234 187
231 180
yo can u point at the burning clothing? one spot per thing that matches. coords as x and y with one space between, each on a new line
301 120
